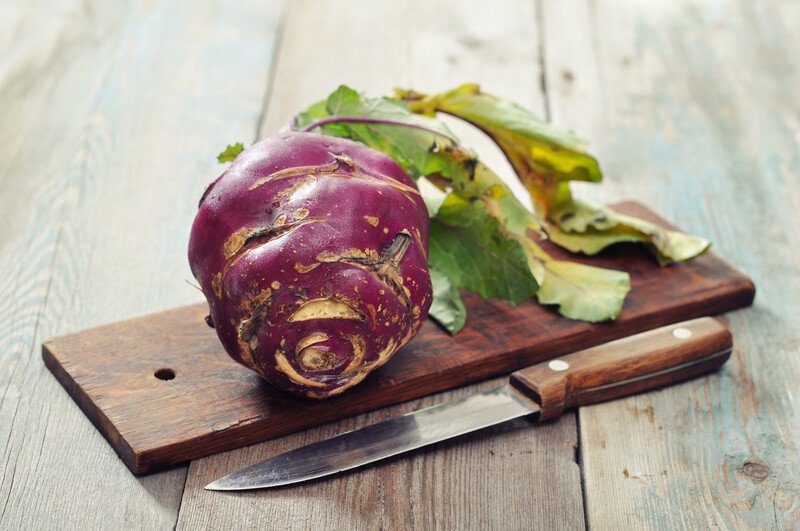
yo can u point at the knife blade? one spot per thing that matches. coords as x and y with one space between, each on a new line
384 439
626 366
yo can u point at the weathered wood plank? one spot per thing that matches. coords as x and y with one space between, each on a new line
500 478
508 477
213 404
692 108
112 115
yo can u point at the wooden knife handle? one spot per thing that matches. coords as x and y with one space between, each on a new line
630 365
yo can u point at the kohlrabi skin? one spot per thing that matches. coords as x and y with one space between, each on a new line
312 253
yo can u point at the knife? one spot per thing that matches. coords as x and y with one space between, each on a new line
623 367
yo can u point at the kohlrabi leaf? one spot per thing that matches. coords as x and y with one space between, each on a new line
422 146
592 241
230 153
545 159
417 143
468 246
318 111
482 237
584 227
447 308
583 292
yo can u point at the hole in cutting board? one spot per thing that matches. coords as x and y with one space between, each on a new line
164 374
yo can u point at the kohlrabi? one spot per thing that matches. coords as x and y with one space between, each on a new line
312 253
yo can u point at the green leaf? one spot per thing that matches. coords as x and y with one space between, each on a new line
546 159
584 292
230 153
314 113
426 148
469 247
423 147
592 241
581 292
447 308
347 102
589 228
420 145
482 237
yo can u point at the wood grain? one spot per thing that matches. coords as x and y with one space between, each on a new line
428 44
449 485
111 116
627 366
211 404
691 108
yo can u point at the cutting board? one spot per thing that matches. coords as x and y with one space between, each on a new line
161 389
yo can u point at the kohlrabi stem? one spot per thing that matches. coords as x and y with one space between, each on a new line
364 120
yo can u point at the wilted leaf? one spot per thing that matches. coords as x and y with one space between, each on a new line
423 147
583 292
482 238
545 159
588 228
447 308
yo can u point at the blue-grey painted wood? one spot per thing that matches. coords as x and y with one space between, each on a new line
693 109
507 477
112 113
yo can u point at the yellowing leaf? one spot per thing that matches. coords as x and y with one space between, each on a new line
583 292
546 159
588 228
543 157
482 238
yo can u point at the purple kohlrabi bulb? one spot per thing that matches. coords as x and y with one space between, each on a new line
312 253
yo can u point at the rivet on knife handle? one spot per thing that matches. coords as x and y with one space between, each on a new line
627 366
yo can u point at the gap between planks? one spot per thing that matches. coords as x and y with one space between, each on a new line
276 51
470 46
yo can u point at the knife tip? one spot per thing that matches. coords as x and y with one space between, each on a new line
214 485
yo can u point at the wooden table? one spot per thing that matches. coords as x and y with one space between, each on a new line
111 115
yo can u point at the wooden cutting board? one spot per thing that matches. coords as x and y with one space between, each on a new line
161 389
